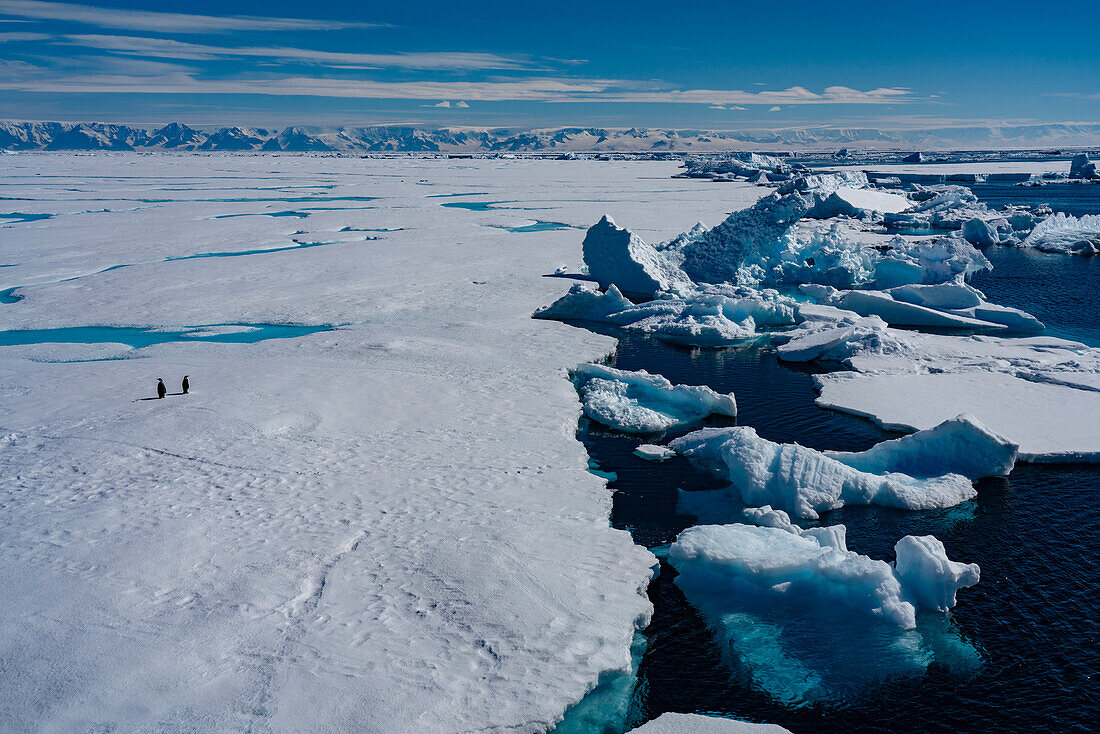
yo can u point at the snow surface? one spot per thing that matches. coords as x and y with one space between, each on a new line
638 402
804 482
384 527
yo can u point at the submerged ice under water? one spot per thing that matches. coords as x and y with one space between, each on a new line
1016 654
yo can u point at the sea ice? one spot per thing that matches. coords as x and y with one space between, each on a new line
774 560
1066 233
851 202
638 402
961 445
714 316
804 482
930 579
1081 167
653 452
616 256
673 723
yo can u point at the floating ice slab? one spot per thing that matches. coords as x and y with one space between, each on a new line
672 723
961 445
773 560
711 317
804 482
1066 233
852 202
653 452
638 402
1050 423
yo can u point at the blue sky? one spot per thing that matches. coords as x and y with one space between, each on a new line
711 65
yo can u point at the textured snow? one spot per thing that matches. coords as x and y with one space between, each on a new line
774 560
804 482
356 530
638 402
672 723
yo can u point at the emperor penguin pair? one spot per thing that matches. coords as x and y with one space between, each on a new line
162 390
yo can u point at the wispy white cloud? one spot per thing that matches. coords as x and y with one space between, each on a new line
774 109
790 96
171 49
16 36
144 20
445 104
107 74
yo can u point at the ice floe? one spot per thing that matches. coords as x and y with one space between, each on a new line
804 482
1040 393
638 402
673 723
774 560
1066 233
711 317
961 445
653 452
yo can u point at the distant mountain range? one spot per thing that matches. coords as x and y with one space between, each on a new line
176 136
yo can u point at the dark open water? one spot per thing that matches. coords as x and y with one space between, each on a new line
1020 652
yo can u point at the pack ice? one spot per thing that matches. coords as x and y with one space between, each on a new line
638 402
804 482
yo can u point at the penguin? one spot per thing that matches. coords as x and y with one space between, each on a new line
186 384
161 389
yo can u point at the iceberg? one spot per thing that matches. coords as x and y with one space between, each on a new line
774 561
780 607
804 482
1065 233
638 402
1081 167
616 256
